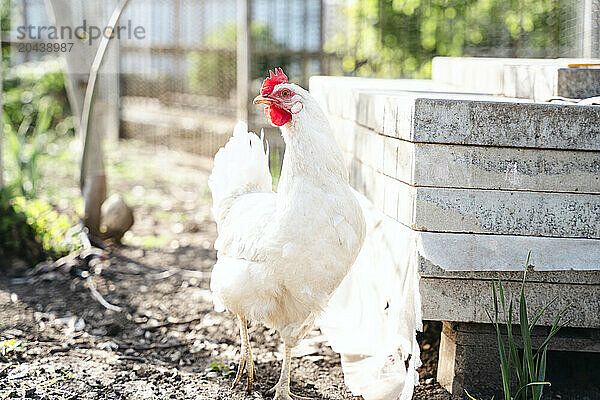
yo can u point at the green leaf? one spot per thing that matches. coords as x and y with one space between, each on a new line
539 314
542 370
504 365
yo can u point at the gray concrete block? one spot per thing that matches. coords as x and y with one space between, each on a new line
483 255
578 83
391 193
390 156
505 168
505 212
367 181
465 300
536 79
480 74
479 167
536 82
544 126
498 212
478 120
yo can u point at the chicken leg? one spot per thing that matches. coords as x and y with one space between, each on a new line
282 388
246 361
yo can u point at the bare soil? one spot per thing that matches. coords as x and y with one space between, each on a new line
161 345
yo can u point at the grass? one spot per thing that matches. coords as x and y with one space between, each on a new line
10 346
219 368
529 366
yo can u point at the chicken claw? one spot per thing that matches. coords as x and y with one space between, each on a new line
246 361
283 393
282 388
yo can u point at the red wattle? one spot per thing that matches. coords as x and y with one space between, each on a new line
277 116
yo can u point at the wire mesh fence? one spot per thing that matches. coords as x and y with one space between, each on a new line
399 38
187 65
177 85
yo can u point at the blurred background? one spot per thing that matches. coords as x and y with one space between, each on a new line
177 87
183 85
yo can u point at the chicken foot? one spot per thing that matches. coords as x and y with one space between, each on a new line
246 361
282 388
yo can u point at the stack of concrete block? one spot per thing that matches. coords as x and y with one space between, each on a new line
479 180
536 79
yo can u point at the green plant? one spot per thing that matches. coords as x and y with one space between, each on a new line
35 112
10 345
530 368
275 163
471 397
219 368
17 238
33 230
53 229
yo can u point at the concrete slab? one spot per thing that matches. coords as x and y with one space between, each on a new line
466 300
502 212
477 167
485 123
452 254
578 82
459 118
536 79
480 211
506 168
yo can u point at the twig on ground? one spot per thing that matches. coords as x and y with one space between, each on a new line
162 273
171 323
96 294
132 358
55 350
85 241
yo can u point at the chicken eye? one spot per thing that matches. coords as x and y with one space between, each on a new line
285 93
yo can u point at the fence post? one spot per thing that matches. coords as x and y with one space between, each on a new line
590 23
1 126
243 57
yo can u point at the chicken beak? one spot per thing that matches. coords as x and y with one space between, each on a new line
261 100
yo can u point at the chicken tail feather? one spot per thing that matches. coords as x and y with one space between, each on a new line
240 167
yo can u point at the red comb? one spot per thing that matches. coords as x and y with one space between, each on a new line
273 80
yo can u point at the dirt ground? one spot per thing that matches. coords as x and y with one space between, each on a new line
163 342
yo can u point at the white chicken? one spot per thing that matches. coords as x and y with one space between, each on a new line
282 254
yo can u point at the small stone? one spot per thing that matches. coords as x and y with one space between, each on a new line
117 217
428 381
108 345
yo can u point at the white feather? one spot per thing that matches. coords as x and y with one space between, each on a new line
241 166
